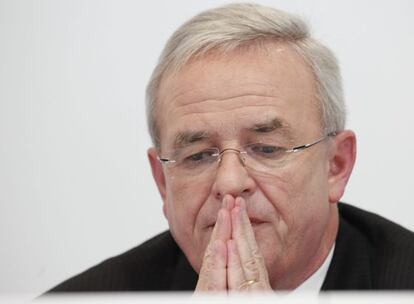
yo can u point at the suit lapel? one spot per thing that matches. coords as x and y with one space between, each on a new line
350 265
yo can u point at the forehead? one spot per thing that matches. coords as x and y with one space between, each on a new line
225 93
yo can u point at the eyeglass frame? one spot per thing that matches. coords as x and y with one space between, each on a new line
166 161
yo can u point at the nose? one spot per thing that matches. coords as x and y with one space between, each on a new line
232 176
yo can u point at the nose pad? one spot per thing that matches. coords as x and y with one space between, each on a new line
241 155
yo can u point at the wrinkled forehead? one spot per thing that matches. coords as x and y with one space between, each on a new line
253 87
189 77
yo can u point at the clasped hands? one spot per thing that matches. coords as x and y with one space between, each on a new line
232 260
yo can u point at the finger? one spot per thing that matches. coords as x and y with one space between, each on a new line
254 248
213 276
246 258
235 275
222 228
251 260
228 202
247 227
252 243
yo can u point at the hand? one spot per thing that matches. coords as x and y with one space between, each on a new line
232 260
246 268
213 272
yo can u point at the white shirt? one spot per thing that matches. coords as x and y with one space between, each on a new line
313 284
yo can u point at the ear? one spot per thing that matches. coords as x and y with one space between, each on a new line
341 162
158 175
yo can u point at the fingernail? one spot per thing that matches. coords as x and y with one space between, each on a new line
237 203
225 202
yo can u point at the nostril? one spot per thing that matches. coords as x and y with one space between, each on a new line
247 191
218 196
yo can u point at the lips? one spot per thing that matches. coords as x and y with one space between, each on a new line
256 222
253 220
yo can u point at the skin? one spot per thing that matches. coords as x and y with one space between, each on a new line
235 224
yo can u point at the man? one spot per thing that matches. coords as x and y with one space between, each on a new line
251 157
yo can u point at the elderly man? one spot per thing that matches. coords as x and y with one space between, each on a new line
251 157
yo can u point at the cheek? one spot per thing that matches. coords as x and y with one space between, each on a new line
308 203
185 198
187 201
297 193
278 190
299 197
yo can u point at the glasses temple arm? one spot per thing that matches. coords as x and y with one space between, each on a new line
298 148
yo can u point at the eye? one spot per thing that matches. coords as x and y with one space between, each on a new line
197 156
266 151
204 156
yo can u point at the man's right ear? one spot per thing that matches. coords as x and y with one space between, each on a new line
157 171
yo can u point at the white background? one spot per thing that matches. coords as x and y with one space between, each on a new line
75 186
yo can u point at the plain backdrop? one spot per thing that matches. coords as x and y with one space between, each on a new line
75 184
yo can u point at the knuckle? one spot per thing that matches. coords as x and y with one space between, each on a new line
207 271
260 262
208 260
206 285
207 279
250 265
210 286
208 253
256 253
206 267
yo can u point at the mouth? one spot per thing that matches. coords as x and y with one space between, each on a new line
255 222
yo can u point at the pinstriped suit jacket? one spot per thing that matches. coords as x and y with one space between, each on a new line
370 253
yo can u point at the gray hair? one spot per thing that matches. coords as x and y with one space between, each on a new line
236 25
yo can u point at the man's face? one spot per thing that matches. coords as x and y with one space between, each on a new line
231 101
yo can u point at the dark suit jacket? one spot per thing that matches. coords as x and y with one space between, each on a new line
370 253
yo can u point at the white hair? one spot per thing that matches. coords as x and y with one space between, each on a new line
236 25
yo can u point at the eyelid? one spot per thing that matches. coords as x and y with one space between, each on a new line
215 150
265 144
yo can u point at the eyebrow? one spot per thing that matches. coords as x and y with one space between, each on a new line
184 139
273 125
268 126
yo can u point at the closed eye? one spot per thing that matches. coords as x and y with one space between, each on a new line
204 156
266 151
